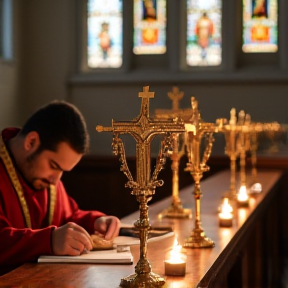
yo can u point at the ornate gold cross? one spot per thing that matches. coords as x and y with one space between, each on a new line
196 129
175 96
175 210
143 129
241 136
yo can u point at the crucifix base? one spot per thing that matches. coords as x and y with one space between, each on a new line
148 280
198 239
176 212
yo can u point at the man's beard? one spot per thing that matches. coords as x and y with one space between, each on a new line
30 168
41 187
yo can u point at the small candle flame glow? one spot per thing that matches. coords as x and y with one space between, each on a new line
175 254
176 265
256 188
226 210
242 196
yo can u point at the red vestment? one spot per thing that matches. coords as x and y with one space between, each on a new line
19 244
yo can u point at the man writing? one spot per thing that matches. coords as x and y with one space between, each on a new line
36 215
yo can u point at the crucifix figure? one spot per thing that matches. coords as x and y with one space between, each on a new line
175 210
143 129
175 96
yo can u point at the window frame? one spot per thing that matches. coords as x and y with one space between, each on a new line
172 66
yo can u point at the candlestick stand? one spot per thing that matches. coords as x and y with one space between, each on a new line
241 136
232 132
195 131
244 144
175 210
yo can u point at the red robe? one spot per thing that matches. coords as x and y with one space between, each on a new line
19 244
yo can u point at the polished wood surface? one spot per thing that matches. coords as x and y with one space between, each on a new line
205 267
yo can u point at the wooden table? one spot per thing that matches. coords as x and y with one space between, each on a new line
235 257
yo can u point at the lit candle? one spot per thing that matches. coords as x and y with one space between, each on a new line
176 265
225 215
242 196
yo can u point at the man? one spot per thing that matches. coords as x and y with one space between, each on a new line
36 215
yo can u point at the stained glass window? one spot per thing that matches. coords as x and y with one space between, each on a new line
105 33
1 28
149 27
204 47
260 29
6 29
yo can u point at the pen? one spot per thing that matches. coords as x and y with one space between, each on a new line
85 251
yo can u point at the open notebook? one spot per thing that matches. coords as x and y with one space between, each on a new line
128 236
100 257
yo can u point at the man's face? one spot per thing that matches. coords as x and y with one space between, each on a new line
45 168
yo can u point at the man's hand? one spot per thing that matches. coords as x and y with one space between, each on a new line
70 239
108 226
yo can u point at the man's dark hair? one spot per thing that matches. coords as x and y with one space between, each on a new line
57 122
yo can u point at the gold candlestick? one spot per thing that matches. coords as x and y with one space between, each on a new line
254 146
270 130
244 144
143 129
241 136
175 210
232 133
231 150
195 130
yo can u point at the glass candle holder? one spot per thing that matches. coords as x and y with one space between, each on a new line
256 188
225 215
176 264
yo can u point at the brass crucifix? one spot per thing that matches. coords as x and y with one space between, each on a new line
232 132
175 210
143 129
196 129
175 96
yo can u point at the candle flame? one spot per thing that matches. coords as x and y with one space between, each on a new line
226 207
226 210
242 195
175 254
